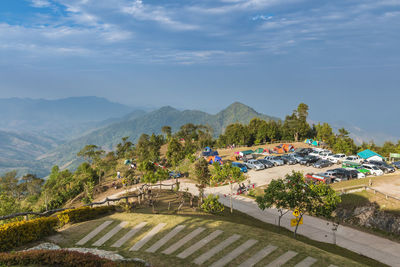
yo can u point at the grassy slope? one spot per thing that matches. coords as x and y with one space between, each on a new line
238 223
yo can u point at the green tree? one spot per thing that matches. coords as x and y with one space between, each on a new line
344 144
202 172
175 152
296 124
275 196
167 130
125 149
91 153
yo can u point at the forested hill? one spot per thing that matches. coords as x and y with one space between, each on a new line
152 122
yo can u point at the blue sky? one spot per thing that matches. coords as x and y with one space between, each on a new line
340 57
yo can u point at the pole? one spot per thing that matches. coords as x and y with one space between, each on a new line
231 196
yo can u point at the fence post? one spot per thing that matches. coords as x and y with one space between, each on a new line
26 217
127 200
138 198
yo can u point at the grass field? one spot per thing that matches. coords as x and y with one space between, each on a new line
230 224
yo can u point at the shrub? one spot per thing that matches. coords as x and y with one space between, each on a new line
83 214
212 205
53 258
19 233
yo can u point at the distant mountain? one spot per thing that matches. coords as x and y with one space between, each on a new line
20 151
62 118
152 122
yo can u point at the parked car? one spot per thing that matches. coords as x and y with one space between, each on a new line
386 168
296 156
356 166
267 163
373 169
321 163
396 164
319 178
241 166
314 153
338 158
308 160
326 155
353 159
356 172
255 164
274 160
174 174
341 174
287 160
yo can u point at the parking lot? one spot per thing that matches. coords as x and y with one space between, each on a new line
265 176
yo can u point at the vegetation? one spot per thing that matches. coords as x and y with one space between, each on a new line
226 173
55 258
212 205
294 193
82 214
16 234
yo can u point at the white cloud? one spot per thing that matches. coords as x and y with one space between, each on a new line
40 3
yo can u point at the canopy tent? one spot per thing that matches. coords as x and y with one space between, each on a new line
259 150
370 155
308 141
315 143
246 152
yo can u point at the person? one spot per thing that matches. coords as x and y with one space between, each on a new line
118 174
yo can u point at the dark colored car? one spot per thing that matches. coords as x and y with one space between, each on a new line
341 174
296 156
396 164
308 160
288 160
322 164
386 168
267 163
304 151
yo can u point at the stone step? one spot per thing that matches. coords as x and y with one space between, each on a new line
307 262
165 239
129 235
183 241
110 234
147 237
190 250
253 260
93 233
234 253
282 259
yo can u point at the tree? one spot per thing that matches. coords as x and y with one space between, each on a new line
294 193
275 196
9 184
202 175
296 124
344 144
175 152
91 153
125 149
167 130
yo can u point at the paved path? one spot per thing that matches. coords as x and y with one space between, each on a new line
307 262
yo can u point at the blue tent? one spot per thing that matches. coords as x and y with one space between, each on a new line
366 154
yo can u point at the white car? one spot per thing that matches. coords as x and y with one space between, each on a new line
327 155
373 169
314 153
356 159
254 164
337 158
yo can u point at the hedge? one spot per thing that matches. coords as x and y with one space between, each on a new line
16 234
83 214
54 258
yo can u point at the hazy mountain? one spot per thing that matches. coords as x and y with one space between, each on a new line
152 122
62 118
19 152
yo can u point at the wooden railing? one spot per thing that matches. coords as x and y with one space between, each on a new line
107 201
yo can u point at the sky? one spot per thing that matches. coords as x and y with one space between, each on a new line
340 57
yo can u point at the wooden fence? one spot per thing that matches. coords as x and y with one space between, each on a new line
107 201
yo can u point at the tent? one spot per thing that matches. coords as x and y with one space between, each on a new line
279 149
315 143
288 147
370 155
127 162
308 141
246 152
259 150
213 159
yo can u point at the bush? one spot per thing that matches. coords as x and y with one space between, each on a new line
53 258
83 214
16 234
212 205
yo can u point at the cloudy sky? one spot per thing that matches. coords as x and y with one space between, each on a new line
340 57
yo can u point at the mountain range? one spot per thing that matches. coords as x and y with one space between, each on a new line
36 134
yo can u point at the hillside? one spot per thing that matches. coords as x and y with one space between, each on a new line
18 151
152 122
